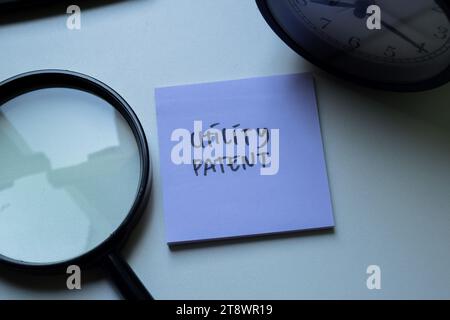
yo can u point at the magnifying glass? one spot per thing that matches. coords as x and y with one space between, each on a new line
75 176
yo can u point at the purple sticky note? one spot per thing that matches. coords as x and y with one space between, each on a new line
242 158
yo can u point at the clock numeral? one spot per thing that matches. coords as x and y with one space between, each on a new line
421 48
325 22
354 42
390 52
441 33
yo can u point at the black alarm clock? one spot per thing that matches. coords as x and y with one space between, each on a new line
409 49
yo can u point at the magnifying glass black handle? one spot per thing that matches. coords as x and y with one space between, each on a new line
125 279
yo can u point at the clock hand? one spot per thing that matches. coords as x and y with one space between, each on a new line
332 3
359 6
403 36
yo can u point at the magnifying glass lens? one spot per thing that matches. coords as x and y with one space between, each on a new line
69 174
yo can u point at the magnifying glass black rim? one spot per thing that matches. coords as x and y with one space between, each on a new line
42 79
437 81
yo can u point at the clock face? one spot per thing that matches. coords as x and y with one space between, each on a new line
409 48
411 31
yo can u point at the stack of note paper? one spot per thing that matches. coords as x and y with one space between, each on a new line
242 158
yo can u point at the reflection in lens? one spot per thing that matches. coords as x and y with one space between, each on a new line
70 169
